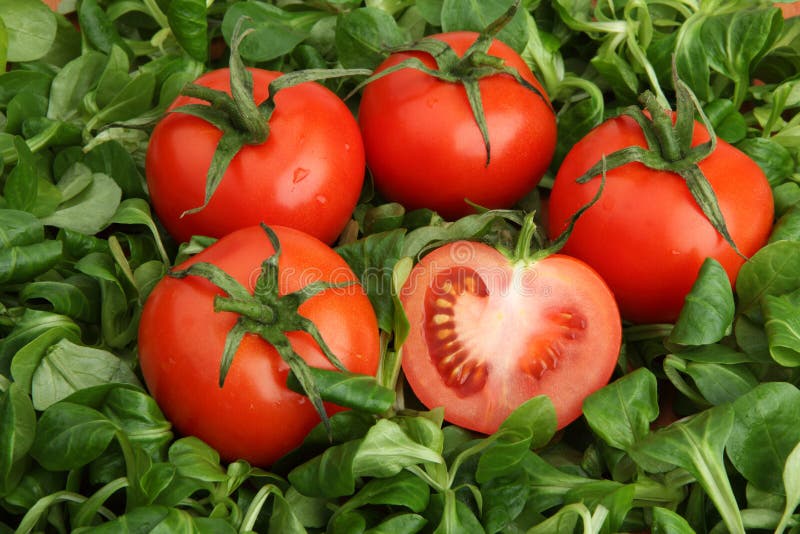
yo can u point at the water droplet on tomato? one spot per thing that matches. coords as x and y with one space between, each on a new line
322 199
299 174
347 147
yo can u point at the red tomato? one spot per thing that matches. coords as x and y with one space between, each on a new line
307 175
254 416
424 147
646 236
488 334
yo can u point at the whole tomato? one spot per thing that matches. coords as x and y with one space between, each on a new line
307 174
647 236
253 416
423 145
489 332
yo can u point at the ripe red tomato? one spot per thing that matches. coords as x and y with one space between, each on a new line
254 416
646 236
487 333
424 148
307 175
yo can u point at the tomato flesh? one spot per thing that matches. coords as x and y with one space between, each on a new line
486 335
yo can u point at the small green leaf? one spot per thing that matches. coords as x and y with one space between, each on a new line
773 270
69 436
707 315
189 23
387 449
782 325
30 27
17 430
91 210
365 37
350 390
621 412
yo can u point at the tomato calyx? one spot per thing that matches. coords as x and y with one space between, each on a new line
242 121
669 148
270 315
476 63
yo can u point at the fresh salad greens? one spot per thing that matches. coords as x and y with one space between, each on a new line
699 430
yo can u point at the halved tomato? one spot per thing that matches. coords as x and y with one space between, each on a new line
489 332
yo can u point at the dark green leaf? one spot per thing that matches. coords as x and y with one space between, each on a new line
195 459
399 524
15 82
361 392
476 16
773 270
112 159
274 32
404 489
787 227
707 315
782 325
72 83
365 36
774 159
329 474
387 449
22 107
69 436
22 185
668 522
621 412
372 259
188 22
503 500
30 326
133 99
17 430
721 383
764 433
99 29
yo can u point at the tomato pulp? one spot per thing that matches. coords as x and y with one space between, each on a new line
488 334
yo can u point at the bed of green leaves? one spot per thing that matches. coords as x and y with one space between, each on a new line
82 444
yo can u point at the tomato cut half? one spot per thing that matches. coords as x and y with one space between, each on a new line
488 333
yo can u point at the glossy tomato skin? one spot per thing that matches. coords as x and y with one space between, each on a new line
486 334
424 148
307 175
646 236
253 416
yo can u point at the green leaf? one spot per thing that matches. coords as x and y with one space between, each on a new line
91 210
17 81
21 187
30 326
787 228
774 159
273 31
387 449
68 367
668 522
132 100
403 489
372 259
30 27
195 459
707 315
469 227
721 383
621 412
69 436
399 524
697 444
531 425
17 430
328 475
97 26
350 390
782 325
791 484
476 16
773 270
72 83
365 36
764 433
188 22
113 159
504 498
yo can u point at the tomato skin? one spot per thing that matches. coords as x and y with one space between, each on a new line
253 416
307 175
646 236
424 148
557 306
